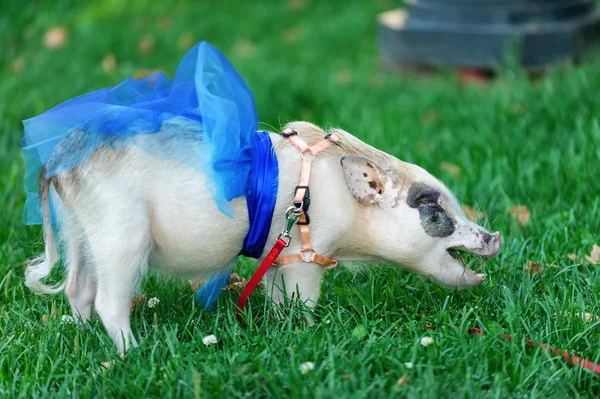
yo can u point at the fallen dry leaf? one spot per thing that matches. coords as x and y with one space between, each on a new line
106 365
573 257
164 22
186 40
520 213
586 317
240 285
146 44
594 256
138 301
343 77
17 65
44 320
55 37
472 214
291 35
402 381
109 63
235 282
297 5
244 49
454 170
196 284
534 268
142 73
430 116
235 286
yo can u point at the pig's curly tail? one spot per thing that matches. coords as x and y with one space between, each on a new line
41 266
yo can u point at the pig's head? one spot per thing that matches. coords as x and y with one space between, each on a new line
413 220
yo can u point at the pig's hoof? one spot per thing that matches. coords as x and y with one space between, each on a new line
481 276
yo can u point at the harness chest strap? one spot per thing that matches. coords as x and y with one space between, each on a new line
302 201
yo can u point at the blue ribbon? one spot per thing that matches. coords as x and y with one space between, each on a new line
260 197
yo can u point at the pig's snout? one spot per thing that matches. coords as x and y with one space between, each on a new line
486 244
492 244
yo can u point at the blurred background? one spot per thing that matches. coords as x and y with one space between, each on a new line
289 52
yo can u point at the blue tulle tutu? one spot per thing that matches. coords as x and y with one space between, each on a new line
206 89
236 159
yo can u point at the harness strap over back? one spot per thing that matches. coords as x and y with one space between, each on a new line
302 201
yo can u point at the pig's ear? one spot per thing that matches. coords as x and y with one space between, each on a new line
365 180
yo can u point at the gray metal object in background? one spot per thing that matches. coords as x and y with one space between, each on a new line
483 33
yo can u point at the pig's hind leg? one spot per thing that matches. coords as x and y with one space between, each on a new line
80 284
119 244
80 287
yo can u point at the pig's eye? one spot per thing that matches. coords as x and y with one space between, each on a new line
428 196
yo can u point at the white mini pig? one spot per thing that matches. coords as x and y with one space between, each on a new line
125 211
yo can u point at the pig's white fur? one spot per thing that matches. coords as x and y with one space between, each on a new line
125 211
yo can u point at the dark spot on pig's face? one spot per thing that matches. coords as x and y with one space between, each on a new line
487 238
372 184
434 219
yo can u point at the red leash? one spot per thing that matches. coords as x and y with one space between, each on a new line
292 214
566 356
262 269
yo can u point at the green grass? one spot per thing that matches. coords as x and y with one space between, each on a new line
517 142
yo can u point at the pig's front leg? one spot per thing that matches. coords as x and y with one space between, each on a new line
295 281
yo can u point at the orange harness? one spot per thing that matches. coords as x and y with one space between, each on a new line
302 201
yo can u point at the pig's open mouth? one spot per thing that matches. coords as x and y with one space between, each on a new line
467 258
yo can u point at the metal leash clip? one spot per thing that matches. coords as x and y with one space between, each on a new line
292 214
